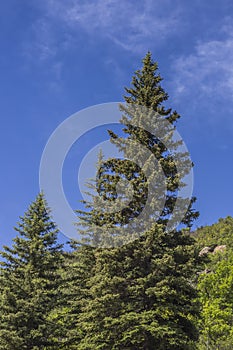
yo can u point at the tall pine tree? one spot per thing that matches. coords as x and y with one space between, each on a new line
29 282
135 210
142 293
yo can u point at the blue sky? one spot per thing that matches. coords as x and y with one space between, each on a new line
58 57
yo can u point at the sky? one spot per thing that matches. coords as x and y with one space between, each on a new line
59 57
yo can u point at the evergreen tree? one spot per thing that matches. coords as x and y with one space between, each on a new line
145 103
142 293
76 272
29 281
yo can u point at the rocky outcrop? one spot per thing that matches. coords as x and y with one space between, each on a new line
212 250
219 249
204 251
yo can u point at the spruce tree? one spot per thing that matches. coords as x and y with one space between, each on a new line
143 292
145 103
141 295
76 272
29 282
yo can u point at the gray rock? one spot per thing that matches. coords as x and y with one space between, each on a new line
219 248
205 251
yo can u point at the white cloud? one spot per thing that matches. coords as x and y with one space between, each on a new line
134 25
208 71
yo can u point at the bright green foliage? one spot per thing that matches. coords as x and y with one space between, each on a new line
29 280
141 295
216 297
217 234
215 288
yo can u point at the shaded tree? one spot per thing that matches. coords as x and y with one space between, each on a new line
29 282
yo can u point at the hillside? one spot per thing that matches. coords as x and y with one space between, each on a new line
215 285
220 233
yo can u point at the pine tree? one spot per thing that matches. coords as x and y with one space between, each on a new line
145 104
142 292
76 272
141 295
29 282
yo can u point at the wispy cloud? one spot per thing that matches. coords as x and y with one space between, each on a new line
41 47
133 25
208 71
40 43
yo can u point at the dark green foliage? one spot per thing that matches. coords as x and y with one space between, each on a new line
29 280
139 294
145 100
76 274
147 93
142 294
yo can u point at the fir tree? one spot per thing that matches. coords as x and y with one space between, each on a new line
29 281
145 102
76 272
142 293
